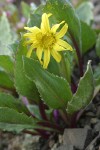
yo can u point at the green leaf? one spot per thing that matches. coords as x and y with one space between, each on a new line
84 93
5 80
63 10
97 75
98 46
88 37
6 36
39 9
13 47
34 109
53 67
54 90
4 49
85 12
34 20
11 120
5 32
97 30
23 85
35 16
9 101
7 64
21 48
65 66
97 79
25 9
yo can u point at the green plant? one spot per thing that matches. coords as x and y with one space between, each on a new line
35 100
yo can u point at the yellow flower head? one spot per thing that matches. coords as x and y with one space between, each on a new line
47 41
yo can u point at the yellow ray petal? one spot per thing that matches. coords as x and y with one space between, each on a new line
31 42
45 27
30 36
27 34
46 58
32 29
39 53
50 14
27 42
62 32
64 44
56 55
57 47
56 26
34 45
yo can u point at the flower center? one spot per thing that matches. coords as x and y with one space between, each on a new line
46 40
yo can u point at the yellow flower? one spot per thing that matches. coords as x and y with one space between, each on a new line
46 41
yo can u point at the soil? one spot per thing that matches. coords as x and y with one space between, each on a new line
9 141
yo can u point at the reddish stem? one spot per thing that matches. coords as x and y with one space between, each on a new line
73 86
50 125
42 110
43 133
80 59
30 132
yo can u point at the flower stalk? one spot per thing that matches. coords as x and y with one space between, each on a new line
42 110
80 59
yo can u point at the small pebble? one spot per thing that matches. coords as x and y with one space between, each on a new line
97 126
94 120
51 143
90 114
98 112
60 139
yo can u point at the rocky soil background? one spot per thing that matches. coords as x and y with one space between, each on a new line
85 137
